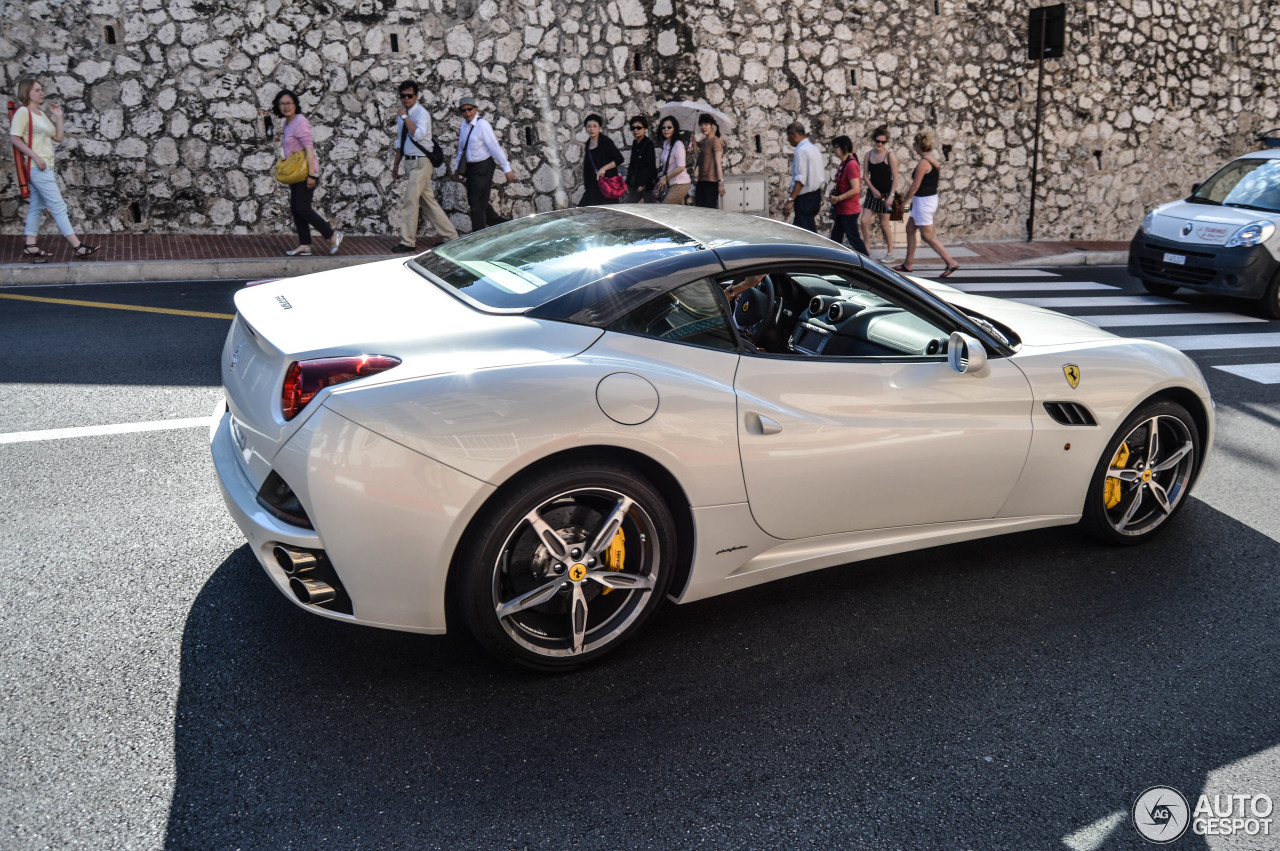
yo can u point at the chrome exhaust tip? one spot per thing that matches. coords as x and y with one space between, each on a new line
313 592
294 562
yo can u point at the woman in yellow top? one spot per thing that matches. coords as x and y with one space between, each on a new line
33 133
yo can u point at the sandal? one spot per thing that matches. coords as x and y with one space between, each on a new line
947 272
82 251
36 253
300 251
902 267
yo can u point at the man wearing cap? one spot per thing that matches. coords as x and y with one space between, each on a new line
478 154
413 142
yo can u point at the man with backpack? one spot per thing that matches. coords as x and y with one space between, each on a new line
415 144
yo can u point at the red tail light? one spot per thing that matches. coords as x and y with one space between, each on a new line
307 378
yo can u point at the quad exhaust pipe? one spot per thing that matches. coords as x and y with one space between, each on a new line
297 564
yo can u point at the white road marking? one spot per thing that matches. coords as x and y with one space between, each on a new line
94 431
1013 286
1091 837
1003 273
1263 373
1225 342
1097 301
1134 320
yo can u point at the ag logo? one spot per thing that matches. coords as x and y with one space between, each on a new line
1160 814
1072 372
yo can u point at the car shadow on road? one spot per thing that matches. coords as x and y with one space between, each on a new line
995 694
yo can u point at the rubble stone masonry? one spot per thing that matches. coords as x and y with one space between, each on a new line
165 99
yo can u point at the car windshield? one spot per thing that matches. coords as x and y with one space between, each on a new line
1252 183
527 262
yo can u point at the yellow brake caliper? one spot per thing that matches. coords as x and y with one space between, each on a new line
615 554
1111 491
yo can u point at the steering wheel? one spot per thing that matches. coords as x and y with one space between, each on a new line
756 310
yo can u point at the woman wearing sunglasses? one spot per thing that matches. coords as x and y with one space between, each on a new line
642 173
882 177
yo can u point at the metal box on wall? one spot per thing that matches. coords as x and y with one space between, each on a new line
746 193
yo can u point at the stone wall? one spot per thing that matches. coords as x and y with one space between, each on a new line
165 99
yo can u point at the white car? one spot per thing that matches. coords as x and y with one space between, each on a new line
543 430
1223 238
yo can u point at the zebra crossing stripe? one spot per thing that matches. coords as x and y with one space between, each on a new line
1014 286
1096 301
1137 320
1263 373
1003 273
1225 342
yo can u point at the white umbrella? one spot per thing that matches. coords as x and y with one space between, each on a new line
687 111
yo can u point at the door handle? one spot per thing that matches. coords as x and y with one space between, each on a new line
757 424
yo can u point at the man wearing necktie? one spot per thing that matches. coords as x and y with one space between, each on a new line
478 154
413 142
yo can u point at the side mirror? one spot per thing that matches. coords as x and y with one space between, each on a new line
966 354
1195 187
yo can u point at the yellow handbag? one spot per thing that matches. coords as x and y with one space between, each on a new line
292 169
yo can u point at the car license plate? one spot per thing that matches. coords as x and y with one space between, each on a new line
1175 259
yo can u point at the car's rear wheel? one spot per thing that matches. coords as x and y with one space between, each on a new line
1143 477
1156 288
567 566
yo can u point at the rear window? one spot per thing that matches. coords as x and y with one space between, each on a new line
527 262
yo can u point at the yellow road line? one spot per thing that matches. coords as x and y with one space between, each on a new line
104 304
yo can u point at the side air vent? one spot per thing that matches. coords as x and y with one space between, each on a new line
1070 414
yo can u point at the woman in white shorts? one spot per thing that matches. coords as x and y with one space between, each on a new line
922 198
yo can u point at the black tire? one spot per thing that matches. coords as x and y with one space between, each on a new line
1149 493
505 560
1269 304
1155 288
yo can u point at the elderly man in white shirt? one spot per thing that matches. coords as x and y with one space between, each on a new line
478 153
413 143
808 171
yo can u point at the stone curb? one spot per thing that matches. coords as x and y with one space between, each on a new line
109 272
104 272
1078 258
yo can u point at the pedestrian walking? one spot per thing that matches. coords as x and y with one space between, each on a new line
845 203
882 179
600 158
33 133
297 137
922 198
478 154
673 172
806 178
642 171
415 144
709 155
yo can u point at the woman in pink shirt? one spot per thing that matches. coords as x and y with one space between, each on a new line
297 137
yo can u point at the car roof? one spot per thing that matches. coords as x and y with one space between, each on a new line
1266 154
717 228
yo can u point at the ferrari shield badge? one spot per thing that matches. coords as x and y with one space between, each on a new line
1072 372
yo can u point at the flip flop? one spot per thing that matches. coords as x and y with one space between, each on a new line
946 273
902 267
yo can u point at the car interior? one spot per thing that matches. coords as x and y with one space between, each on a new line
828 314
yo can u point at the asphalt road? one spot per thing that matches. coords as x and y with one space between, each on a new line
1018 692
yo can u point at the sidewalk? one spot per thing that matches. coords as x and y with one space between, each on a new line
180 257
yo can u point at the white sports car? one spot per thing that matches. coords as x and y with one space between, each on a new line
543 430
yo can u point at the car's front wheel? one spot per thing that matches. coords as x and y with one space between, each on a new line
566 566
1269 304
1143 476
1156 288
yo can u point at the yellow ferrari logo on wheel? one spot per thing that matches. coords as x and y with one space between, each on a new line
1072 372
578 572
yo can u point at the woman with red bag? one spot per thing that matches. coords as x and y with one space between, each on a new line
600 158
33 134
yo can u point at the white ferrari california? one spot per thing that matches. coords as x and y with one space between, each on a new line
545 429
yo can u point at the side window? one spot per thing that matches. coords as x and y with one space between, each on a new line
689 314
